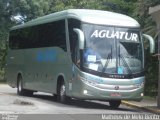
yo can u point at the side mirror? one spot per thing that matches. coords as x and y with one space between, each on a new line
80 37
151 42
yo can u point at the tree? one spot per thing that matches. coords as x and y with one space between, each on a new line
148 26
120 6
5 23
142 15
29 9
72 4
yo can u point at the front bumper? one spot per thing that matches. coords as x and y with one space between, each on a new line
109 89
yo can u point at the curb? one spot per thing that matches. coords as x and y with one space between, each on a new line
146 108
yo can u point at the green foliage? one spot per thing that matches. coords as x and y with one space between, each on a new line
2 73
3 38
142 15
151 74
121 6
75 4
148 26
4 15
5 23
30 9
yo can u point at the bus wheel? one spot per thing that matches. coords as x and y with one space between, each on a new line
62 93
114 103
20 90
55 97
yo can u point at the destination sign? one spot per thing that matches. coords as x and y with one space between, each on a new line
121 35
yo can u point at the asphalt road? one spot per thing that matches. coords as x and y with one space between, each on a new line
45 104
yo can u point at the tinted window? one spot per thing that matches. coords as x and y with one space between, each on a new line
45 35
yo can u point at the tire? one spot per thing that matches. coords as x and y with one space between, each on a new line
114 103
20 90
62 93
55 97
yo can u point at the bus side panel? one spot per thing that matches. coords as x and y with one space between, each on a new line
43 66
15 65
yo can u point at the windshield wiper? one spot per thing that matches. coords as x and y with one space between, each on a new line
126 64
109 57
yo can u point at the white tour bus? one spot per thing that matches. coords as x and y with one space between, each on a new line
79 53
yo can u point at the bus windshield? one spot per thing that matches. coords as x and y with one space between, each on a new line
112 50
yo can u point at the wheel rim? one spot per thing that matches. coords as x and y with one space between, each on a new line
62 91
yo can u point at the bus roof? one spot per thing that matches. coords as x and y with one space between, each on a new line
86 15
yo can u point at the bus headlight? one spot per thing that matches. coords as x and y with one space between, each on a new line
85 91
142 94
